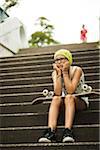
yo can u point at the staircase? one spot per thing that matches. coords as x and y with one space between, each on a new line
22 79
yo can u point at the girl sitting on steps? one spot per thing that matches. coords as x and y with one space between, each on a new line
67 80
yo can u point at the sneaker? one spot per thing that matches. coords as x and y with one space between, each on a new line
48 136
68 136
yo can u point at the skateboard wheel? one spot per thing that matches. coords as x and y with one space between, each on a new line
85 87
51 93
89 88
45 92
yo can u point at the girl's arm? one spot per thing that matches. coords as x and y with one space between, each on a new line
71 84
56 76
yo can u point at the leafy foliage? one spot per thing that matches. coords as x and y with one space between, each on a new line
44 36
10 3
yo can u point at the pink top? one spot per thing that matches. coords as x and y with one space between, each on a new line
83 34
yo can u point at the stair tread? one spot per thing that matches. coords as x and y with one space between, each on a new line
34 113
45 127
42 77
28 66
40 71
44 60
48 144
41 84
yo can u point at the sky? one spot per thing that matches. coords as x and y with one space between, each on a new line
67 17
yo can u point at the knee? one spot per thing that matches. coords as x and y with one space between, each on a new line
69 98
56 100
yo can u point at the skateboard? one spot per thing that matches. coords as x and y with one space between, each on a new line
48 95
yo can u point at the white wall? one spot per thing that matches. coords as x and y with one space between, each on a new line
12 35
4 52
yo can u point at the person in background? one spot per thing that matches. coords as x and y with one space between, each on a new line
83 34
67 80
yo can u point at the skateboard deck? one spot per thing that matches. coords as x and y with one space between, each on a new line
49 97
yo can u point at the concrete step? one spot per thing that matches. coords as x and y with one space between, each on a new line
73 47
40 119
26 81
37 73
38 87
25 107
46 60
25 97
27 74
27 58
39 80
31 134
22 79
52 146
19 97
25 88
89 63
46 55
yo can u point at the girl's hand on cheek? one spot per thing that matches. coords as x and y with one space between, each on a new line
65 67
57 68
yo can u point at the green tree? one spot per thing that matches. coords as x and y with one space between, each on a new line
10 3
44 36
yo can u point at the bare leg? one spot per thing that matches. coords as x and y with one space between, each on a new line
54 111
69 110
72 104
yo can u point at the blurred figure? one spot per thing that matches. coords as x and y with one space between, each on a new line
83 34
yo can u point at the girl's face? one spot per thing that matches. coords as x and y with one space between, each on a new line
60 60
